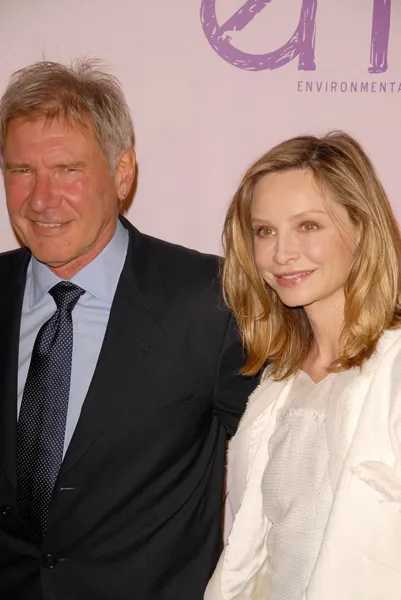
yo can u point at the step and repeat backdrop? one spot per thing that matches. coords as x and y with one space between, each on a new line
214 83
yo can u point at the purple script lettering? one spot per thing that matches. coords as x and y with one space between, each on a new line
380 36
301 43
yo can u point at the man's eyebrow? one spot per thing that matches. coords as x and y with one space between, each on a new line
74 164
11 165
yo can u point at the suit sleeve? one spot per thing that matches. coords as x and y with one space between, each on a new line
232 389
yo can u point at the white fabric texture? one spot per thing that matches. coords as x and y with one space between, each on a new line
296 487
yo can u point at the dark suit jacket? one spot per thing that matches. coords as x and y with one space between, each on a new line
136 510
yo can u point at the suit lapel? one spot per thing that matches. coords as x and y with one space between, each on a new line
131 338
13 281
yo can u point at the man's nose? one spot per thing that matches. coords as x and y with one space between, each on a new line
43 194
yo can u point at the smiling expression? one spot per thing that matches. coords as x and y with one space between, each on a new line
303 242
61 194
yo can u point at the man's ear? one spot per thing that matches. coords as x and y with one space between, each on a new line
124 173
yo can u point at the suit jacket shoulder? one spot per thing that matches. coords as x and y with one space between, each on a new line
178 261
186 278
13 261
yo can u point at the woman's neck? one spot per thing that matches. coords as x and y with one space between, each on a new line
326 320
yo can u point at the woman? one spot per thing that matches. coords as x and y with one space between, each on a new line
314 472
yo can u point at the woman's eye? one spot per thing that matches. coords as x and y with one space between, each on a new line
309 226
263 231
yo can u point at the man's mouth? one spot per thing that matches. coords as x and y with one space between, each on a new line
47 224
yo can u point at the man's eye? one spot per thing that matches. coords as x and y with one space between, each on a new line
20 171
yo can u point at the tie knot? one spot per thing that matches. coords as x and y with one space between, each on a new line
66 295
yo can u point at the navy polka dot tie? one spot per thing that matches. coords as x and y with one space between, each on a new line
43 413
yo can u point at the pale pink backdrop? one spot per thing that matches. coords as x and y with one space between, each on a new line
200 120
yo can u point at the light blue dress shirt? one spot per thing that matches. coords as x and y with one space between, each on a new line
90 317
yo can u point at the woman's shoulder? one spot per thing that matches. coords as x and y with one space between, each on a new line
264 398
388 347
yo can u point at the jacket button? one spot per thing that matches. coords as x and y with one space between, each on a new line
49 561
6 510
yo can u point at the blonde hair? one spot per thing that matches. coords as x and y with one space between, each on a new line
282 336
83 92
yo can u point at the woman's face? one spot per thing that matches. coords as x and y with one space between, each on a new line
303 242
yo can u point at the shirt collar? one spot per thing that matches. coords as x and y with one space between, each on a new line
99 278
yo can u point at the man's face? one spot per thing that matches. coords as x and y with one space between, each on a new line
61 195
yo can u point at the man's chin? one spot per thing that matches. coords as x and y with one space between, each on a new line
53 262
64 266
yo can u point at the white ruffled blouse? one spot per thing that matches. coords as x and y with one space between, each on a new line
297 487
358 550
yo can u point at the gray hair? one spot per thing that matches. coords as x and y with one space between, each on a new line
83 92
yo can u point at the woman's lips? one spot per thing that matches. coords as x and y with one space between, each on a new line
293 278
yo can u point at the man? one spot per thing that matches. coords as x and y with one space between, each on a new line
119 365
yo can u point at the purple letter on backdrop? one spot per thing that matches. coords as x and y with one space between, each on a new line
380 36
301 43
